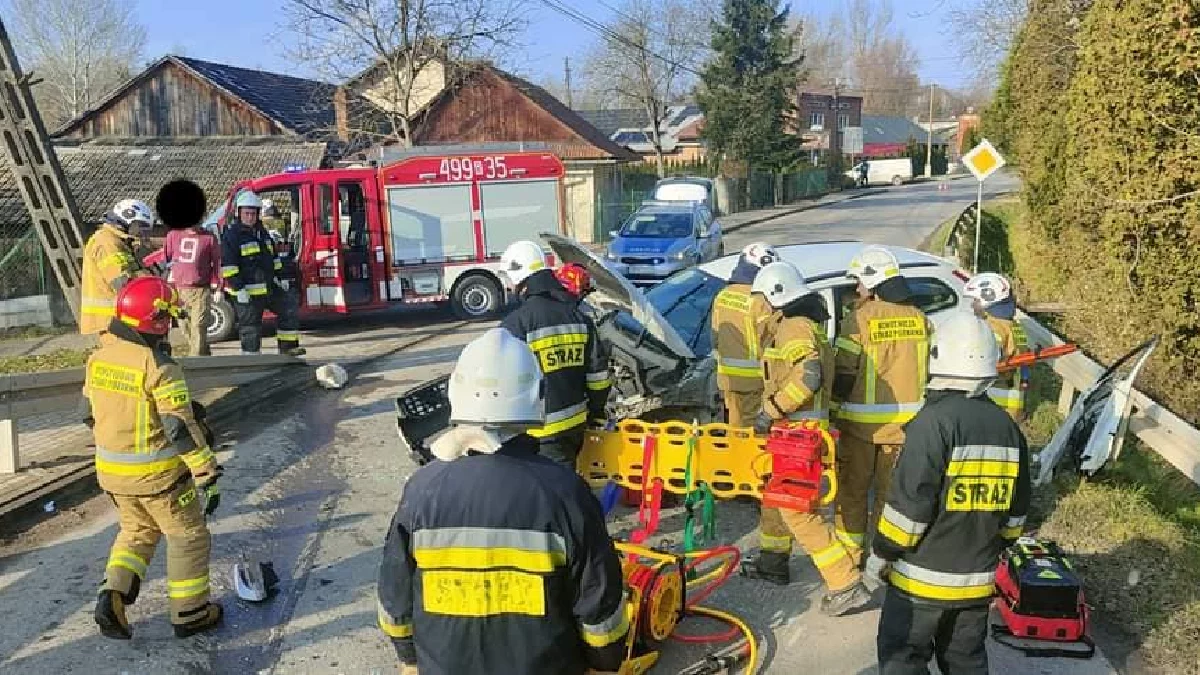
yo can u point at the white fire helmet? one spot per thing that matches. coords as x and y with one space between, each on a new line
873 266
497 382
332 376
129 211
246 199
988 288
520 260
760 255
964 348
781 283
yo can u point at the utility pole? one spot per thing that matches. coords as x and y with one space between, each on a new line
929 144
567 67
835 145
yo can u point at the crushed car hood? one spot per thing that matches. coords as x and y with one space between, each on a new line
614 291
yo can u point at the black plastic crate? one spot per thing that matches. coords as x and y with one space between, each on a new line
422 412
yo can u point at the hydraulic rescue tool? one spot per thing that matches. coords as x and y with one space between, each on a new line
1030 357
1041 599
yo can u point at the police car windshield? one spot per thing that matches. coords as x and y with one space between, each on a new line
659 225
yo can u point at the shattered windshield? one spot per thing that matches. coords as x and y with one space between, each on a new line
685 301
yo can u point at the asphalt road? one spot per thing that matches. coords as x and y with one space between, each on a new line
313 488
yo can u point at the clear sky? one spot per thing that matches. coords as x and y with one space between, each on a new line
247 33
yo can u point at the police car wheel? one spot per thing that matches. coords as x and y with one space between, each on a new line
476 297
222 322
897 180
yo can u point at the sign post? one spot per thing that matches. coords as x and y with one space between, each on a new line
983 160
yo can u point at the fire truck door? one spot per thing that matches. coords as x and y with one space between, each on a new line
355 243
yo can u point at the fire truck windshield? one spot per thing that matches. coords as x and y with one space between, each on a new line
218 214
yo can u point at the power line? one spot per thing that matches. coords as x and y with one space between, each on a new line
612 36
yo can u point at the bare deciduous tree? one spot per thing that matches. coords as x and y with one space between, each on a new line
80 49
398 54
861 50
650 58
984 31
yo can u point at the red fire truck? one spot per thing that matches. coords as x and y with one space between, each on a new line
423 229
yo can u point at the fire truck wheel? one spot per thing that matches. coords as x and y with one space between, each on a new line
476 297
222 322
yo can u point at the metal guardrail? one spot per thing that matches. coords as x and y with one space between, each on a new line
1174 439
61 391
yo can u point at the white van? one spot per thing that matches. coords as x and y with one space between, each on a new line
884 171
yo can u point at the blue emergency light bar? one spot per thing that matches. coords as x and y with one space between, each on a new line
295 168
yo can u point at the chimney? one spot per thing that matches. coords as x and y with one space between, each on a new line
340 115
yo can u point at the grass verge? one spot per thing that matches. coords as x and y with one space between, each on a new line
1134 530
58 359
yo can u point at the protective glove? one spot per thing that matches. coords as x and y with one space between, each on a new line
212 494
243 297
762 423
874 572
407 669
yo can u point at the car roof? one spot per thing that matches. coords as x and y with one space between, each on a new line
825 260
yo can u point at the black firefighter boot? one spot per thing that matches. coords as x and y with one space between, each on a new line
110 616
200 619
769 566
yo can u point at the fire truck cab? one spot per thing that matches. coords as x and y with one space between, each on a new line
424 229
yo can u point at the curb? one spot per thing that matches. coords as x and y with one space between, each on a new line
234 405
798 209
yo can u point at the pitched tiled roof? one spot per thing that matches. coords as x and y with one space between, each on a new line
300 105
610 121
885 129
102 172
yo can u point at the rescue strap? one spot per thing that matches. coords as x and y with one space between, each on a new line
1003 635
700 494
652 489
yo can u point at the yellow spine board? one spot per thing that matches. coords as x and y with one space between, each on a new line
733 461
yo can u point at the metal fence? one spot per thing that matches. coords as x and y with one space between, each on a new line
25 279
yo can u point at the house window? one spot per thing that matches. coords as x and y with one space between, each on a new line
843 121
816 120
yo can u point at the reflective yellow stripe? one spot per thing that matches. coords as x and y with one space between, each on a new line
774 543
560 425
118 259
558 341
121 469
829 555
392 626
850 539
174 394
188 588
1011 532
287 335
869 376
897 535
846 344
795 393
250 249
952 586
128 560
609 630
599 385
879 413
737 371
922 362
278 264
489 558
141 434
796 349
976 467
752 346
229 270
196 459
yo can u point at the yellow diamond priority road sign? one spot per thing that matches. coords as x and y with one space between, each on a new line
983 160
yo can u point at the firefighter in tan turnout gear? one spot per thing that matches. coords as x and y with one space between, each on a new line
797 365
736 314
882 356
110 262
994 302
153 458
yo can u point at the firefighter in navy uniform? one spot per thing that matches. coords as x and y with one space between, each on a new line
573 359
153 458
958 496
497 561
797 367
250 269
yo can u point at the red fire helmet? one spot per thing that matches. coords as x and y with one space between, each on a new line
575 279
147 304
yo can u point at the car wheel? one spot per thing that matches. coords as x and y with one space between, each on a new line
897 180
221 323
476 297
